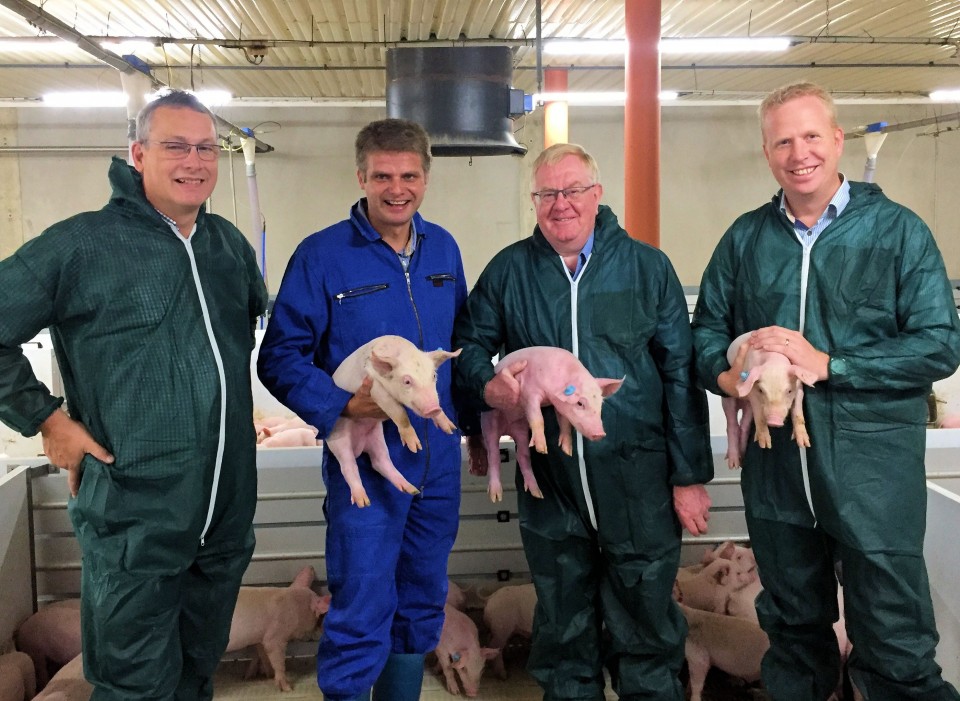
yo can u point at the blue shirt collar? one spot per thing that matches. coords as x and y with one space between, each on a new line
584 254
839 202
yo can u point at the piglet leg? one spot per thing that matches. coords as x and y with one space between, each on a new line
535 421
346 445
799 423
376 448
566 439
492 428
523 462
730 410
441 421
398 414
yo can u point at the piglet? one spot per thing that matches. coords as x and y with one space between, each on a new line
68 684
744 563
403 376
771 388
707 589
456 596
552 376
508 612
51 637
459 654
18 681
269 617
730 644
291 438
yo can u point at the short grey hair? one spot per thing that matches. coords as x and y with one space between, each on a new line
556 153
180 99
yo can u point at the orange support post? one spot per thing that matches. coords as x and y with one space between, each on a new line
555 114
642 121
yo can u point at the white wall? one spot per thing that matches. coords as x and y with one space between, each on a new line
712 170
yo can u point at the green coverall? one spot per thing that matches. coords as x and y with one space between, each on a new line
603 545
166 530
878 301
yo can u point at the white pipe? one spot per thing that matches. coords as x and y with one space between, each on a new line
249 145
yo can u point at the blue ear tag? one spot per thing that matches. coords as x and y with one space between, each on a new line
454 656
569 389
744 375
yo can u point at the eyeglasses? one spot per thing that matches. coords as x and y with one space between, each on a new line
570 194
181 149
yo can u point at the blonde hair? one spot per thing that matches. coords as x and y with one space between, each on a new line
785 94
556 153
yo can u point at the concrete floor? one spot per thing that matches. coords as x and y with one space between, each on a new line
519 686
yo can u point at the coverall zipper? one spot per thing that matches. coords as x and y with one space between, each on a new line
359 292
416 314
574 283
187 243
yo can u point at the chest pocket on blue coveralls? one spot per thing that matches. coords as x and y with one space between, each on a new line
442 305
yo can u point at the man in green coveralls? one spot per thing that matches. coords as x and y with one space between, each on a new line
151 303
847 283
603 544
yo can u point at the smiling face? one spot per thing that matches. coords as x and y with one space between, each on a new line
567 225
803 146
394 183
177 186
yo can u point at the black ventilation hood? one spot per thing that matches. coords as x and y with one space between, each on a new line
460 95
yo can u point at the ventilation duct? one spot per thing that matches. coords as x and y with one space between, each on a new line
460 95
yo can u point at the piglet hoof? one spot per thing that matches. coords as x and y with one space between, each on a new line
534 490
360 499
444 424
801 437
407 488
566 445
495 492
538 443
409 438
764 439
283 684
733 462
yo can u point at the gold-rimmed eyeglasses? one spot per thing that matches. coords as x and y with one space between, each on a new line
570 194
181 149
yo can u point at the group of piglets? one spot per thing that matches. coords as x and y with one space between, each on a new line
717 597
284 432
508 611
265 618
48 640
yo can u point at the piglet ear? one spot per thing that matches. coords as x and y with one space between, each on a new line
440 356
489 653
321 605
304 577
746 384
807 377
382 365
608 386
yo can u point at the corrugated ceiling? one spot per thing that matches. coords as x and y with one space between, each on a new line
335 49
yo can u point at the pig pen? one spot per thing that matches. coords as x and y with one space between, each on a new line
40 561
